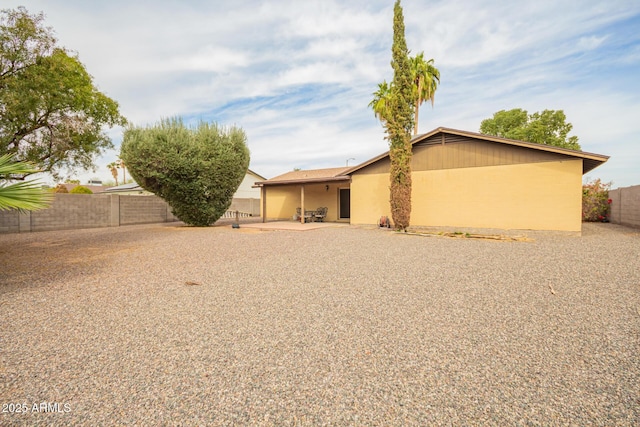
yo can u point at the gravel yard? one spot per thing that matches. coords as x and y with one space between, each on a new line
169 325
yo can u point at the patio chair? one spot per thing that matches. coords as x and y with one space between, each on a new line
320 214
308 216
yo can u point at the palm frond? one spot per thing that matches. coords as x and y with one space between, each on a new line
23 196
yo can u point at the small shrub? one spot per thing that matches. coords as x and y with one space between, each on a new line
595 201
60 188
81 190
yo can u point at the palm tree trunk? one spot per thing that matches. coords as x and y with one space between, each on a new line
415 126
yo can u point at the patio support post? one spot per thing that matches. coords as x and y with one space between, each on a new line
302 203
263 196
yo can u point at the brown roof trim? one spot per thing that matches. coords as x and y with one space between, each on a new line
304 181
308 176
592 160
535 146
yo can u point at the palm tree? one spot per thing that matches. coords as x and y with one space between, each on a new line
113 167
121 164
380 100
23 196
426 78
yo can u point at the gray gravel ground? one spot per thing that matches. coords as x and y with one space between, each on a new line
337 326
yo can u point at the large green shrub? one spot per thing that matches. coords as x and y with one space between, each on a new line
196 170
595 201
80 189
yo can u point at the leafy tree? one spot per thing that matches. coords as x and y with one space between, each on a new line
23 196
398 124
51 114
196 170
548 127
80 189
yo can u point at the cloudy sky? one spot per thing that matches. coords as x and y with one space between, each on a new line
297 75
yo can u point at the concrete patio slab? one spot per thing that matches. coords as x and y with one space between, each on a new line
292 225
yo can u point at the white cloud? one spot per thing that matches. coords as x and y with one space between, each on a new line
298 76
590 42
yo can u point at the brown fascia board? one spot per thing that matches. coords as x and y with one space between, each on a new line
535 146
304 181
550 148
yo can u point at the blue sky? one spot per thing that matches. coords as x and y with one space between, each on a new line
297 75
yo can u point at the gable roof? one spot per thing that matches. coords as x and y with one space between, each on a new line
133 186
249 171
308 176
590 160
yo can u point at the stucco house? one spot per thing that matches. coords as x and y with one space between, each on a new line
459 179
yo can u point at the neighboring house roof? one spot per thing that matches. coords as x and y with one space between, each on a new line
260 177
93 188
308 176
133 186
590 160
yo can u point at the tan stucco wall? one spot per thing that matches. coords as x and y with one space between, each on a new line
534 196
282 200
369 198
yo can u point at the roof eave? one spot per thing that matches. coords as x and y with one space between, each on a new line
256 174
533 145
304 181
594 158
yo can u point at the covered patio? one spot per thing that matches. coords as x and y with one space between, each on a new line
297 196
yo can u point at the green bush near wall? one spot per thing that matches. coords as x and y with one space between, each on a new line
596 205
80 190
196 170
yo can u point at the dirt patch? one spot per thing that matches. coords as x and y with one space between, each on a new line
461 235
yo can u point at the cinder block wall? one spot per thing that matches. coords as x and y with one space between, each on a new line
69 211
74 211
251 206
143 210
625 206
9 222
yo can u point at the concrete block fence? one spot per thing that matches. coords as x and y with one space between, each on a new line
72 211
246 205
625 206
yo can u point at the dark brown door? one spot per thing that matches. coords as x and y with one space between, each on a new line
345 203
